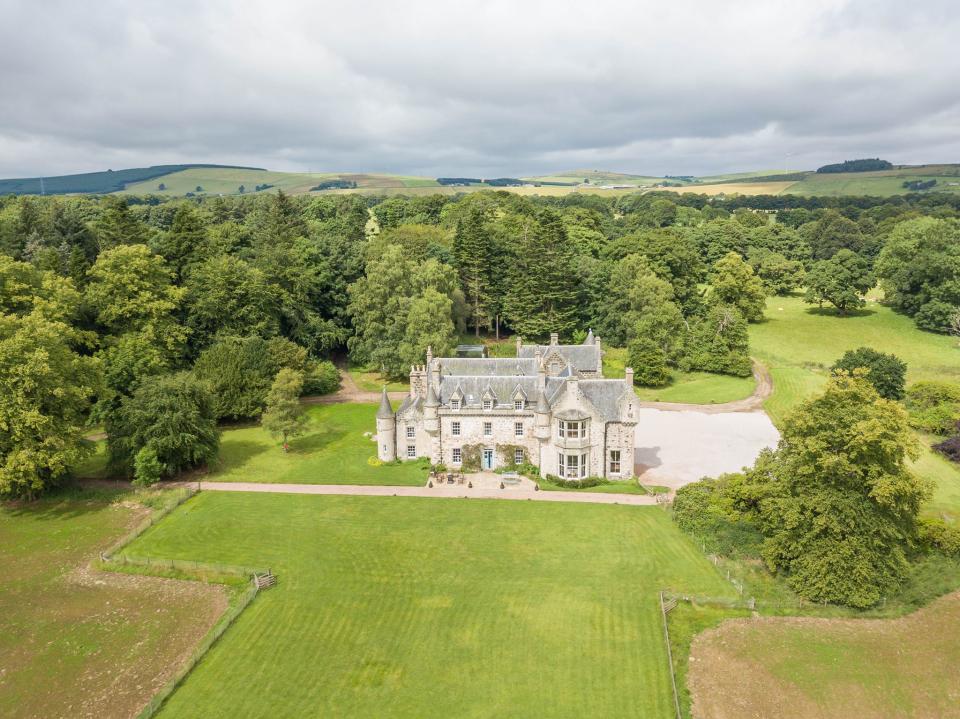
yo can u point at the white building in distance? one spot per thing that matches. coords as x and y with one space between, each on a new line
549 406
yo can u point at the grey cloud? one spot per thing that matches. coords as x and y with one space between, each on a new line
490 88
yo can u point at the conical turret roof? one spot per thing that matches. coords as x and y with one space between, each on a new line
385 411
432 400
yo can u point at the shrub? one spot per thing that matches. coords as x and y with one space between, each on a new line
147 469
934 406
950 448
322 378
937 534
935 316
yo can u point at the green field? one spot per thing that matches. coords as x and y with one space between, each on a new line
799 343
881 183
369 380
225 181
409 607
598 177
75 642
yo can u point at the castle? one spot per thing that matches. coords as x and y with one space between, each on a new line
550 406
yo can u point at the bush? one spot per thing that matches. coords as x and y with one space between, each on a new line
950 448
322 378
934 406
937 534
887 372
584 483
147 469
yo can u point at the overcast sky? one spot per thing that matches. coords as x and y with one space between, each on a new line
477 88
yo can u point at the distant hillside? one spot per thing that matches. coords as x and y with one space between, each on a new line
871 164
94 182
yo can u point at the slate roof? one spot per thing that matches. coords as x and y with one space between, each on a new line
582 357
488 367
385 411
473 388
605 395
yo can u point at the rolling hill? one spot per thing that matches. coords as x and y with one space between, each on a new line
208 179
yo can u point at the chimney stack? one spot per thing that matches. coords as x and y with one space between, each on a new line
628 376
554 338
519 345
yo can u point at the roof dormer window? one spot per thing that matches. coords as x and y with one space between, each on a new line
487 404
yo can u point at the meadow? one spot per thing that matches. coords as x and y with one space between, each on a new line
879 184
409 607
76 642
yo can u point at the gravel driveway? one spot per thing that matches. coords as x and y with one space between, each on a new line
674 448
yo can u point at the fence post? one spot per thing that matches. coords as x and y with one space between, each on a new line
673 677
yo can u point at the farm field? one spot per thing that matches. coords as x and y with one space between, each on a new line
733 188
880 183
409 607
805 667
226 181
76 642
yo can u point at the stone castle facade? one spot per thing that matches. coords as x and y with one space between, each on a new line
549 406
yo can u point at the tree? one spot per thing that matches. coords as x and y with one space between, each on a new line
649 362
934 406
45 390
381 304
173 417
779 275
428 325
842 281
733 283
919 269
473 252
239 371
836 502
543 295
25 289
225 295
283 417
181 243
886 372
131 290
117 226
717 342
832 233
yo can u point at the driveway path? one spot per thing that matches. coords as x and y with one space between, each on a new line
443 491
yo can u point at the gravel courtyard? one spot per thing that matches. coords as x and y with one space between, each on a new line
674 448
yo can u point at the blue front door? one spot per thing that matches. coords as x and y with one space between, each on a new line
488 459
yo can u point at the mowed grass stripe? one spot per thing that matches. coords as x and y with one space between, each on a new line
408 607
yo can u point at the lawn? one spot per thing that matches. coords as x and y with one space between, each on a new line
685 387
409 607
370 380
75 642
333 451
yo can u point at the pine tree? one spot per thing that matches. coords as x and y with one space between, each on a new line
544 294
283 417
473 251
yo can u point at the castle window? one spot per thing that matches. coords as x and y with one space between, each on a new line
455 429
567 429
488 404
615 461
487 429
410 431
518 405
455 404
572 466
456 455
518 456
411 451
518 429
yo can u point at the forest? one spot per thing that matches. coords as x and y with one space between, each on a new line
116 312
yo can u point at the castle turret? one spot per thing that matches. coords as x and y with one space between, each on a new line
542 431
386 430
431 420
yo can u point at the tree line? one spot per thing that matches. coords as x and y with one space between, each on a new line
109 304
